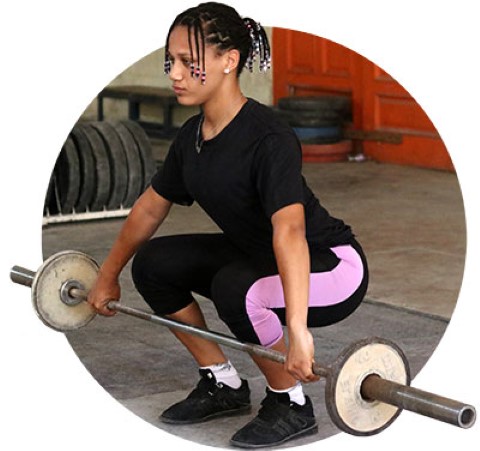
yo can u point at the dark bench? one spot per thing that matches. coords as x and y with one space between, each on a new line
136 95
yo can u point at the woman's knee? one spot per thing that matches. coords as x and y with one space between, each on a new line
150 275
142 265
247 317
229 287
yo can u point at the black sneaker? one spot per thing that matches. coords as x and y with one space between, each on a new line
278 420
208 400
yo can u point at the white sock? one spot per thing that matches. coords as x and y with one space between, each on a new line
296 393
226 374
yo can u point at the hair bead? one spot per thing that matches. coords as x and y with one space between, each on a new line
259 46
167 65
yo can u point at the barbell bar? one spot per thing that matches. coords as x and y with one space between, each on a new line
367 386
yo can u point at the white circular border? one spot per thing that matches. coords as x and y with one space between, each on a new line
50 46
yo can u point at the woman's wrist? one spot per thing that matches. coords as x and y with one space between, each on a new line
296 326
108 274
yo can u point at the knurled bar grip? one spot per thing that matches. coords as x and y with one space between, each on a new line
373 387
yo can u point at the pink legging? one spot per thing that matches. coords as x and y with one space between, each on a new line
326 289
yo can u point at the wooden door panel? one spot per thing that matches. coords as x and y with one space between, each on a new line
414 151
387 106
305 64
302 59
335 62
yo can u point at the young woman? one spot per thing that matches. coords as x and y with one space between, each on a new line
280 258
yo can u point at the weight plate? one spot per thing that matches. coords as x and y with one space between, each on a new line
347 408
67 176
144 148
101 193
51 206
118 163
319 135
327 153
135 171
87 169
47 285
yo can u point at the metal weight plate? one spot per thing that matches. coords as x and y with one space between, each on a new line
87 169
101 193
347 408
47 285
118 163
134 164
144 150
68 176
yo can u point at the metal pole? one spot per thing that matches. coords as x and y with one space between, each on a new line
216 337
373 387
418 401
22 276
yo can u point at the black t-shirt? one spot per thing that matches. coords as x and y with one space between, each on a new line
241 177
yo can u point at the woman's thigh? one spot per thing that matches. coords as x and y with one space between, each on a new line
166 270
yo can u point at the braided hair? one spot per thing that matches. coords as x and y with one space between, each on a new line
220 25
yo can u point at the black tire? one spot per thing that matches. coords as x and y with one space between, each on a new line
134 164
316 118
87 169
118 164
101 193
144 150
67 176
342 105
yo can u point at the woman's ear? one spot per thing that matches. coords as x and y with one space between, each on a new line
232 59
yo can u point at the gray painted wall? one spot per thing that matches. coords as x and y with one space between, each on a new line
149 71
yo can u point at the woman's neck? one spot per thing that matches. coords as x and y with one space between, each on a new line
219 112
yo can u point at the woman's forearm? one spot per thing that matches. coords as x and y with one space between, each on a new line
293 261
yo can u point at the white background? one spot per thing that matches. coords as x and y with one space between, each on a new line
56 56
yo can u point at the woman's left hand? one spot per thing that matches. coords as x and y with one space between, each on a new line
300 357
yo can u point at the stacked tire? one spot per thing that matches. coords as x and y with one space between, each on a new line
319 122
101 166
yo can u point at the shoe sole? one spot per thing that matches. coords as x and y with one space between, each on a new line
224 413
304 432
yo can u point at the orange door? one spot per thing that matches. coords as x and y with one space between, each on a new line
304 64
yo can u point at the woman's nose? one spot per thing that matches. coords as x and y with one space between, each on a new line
176 73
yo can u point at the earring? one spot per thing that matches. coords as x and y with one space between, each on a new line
226 71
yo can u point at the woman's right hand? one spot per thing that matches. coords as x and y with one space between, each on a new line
104 290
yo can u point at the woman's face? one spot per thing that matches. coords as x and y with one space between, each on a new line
189 90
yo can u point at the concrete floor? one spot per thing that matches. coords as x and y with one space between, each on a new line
412 226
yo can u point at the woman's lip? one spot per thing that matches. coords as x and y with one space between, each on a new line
178 90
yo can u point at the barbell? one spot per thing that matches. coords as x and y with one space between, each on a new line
367 386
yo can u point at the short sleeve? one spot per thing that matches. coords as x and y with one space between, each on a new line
169 182
278 172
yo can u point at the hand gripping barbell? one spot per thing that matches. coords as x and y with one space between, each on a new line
366 387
